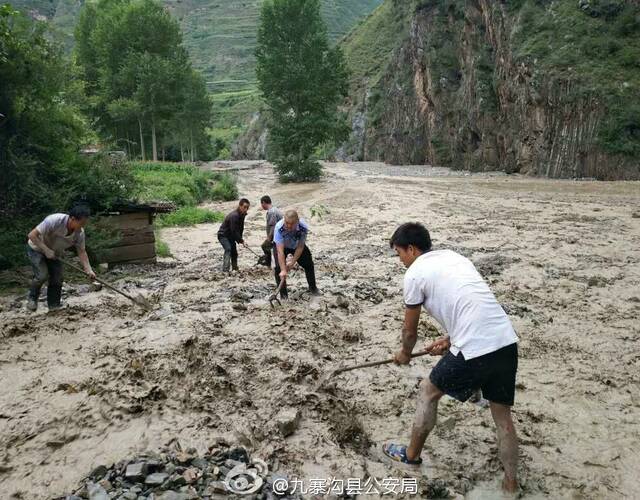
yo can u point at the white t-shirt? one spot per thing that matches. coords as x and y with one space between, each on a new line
450 288
53 230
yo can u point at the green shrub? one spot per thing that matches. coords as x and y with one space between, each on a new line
225 188
291 169
184 185
188 216
162 248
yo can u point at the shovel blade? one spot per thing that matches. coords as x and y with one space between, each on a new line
324 379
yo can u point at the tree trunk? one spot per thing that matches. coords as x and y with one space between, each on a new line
192 159
153 139
141 140
181 152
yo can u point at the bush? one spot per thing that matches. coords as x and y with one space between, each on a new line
620 132
162 248
293 170
99 182
225 188
188 216
184 185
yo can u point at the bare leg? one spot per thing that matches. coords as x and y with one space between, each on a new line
426 416
507 445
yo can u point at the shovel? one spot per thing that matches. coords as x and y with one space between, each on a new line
260 257
332 374
251 250
140 300
274 296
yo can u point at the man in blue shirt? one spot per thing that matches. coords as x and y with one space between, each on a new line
290 236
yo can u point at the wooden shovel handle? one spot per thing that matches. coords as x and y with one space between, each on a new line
377 363
99 280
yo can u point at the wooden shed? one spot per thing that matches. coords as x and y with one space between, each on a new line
135 224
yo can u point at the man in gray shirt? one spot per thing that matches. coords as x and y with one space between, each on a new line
273 216
47 241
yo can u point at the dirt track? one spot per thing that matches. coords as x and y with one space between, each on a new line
101 380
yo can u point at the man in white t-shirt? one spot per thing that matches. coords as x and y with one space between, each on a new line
47 241
479 352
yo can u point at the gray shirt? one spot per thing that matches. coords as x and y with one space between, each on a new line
273 216
53 231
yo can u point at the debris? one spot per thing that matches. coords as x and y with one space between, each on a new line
181 475
493 264
156 479
135 472
342 302
287 421
97 492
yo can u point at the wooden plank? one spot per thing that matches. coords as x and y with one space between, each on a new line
131 252
133 221
135 237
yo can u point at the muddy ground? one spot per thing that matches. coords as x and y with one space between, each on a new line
102 380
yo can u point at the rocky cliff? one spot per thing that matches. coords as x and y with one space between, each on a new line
547 88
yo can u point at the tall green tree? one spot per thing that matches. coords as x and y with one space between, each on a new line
38 132
303 81
135 67
41 132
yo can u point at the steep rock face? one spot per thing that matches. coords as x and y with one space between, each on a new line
453 93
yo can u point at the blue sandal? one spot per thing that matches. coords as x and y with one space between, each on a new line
398 453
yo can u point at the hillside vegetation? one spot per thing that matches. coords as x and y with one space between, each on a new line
220 36
542 87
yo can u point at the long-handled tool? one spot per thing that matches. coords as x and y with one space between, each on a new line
251 250
274 296
140 300
324 379
261 258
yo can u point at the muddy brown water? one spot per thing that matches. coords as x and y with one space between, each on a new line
101 380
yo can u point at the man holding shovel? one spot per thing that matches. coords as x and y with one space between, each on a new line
273 217
480 351
47 241
230 233
290 236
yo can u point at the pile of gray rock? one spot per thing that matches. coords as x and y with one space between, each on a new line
181 475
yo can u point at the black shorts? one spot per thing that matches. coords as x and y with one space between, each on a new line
494 373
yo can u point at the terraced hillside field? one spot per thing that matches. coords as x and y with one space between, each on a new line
220 36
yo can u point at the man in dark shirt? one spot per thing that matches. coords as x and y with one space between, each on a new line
273 217
230 233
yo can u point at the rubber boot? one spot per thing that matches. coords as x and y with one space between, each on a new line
54 293
226 262
34 296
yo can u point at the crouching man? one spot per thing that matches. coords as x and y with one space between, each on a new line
480 351
47 241
290 236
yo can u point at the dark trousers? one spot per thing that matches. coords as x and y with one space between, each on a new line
305 260
45 270
267 248
230 253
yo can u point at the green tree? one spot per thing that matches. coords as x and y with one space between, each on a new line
38 131
303 81
41 131
136 67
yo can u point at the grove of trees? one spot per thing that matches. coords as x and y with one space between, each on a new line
129 85
142 92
